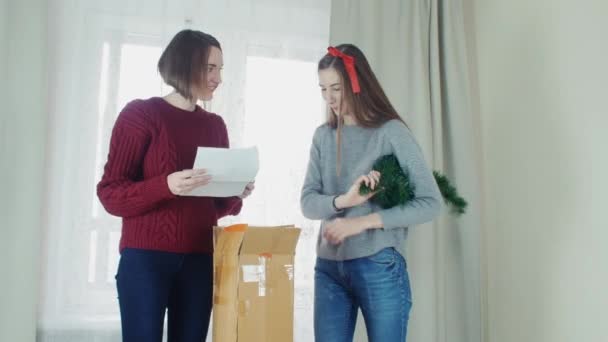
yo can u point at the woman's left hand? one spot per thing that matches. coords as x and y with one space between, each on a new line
248 190
339 229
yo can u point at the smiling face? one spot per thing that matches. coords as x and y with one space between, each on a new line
192 64
212 74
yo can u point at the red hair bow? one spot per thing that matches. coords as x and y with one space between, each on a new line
349 64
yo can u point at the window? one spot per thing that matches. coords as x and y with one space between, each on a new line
108 59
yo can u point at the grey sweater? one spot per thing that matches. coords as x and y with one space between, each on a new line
360 149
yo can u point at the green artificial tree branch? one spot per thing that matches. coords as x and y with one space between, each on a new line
395 187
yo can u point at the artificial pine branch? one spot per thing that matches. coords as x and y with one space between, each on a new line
395 187
450 194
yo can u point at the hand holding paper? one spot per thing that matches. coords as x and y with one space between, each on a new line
230 169
183 182
248 190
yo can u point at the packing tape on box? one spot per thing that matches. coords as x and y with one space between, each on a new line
244 306
251 273
220 269
289 271
220 300
260 273
264 260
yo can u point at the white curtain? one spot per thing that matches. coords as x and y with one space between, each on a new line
417 49
103 54
22 162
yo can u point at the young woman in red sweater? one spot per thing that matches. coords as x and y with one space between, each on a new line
166 244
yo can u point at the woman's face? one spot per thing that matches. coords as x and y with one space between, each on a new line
331 90
213 68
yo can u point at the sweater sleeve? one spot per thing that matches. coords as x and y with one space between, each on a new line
315 204
426 204
122 190
225 206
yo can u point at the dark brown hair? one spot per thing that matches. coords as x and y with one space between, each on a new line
183 63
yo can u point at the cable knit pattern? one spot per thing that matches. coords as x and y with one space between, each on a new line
150 140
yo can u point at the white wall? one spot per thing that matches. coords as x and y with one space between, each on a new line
543 85
23 127
3 229
3 69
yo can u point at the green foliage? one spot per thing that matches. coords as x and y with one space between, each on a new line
450 194
395 187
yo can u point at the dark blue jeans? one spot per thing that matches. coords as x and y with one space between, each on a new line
378 285
152 282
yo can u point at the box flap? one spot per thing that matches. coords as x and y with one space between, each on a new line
225 281
278 240
228 240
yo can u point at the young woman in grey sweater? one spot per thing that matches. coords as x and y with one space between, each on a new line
358 260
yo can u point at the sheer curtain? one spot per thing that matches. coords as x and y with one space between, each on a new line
418 50
103 54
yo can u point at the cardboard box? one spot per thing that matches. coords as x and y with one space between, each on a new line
253 283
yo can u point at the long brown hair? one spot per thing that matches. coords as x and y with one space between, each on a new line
370 107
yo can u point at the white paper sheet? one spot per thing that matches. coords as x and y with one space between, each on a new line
230 170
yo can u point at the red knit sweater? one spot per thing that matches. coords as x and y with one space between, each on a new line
150 140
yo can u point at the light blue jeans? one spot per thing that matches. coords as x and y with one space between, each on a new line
378 285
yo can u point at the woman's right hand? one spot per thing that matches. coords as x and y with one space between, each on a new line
352 198
182 182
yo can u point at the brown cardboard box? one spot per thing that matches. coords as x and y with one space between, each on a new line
253 283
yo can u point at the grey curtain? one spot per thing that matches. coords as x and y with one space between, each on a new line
418 51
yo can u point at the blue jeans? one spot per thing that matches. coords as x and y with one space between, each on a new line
152 282
377 284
